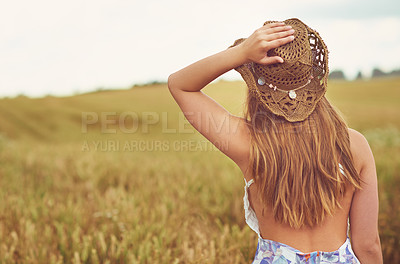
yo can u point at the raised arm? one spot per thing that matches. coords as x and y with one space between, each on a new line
224 130
364 208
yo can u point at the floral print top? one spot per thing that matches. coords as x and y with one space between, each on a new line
271 252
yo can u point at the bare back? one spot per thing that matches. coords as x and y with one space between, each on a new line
328 236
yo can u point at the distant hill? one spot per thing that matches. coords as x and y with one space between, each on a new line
150 111
61 118
141 111
376 73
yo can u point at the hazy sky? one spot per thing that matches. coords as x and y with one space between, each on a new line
63 47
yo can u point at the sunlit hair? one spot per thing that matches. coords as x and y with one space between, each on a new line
296 165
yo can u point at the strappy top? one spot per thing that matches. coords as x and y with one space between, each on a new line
250 215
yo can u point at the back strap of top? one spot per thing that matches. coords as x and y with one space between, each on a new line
248 183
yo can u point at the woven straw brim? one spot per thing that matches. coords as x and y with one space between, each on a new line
279 102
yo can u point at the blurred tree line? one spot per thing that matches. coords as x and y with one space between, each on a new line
376 73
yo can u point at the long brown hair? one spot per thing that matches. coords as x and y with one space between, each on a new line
296 164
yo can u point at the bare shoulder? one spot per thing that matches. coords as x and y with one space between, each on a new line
356 136
360 150
357 140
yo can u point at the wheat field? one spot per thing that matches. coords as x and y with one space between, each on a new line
119 176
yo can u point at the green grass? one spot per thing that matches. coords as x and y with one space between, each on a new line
160 196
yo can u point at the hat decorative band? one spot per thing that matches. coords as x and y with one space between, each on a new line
291 93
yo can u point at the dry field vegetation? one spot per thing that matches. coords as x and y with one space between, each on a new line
140 186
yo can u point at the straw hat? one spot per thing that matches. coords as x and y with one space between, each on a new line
293 88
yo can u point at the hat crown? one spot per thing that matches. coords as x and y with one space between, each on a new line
297 56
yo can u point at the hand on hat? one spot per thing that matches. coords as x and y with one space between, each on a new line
270 36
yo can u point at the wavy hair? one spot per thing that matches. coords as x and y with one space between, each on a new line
295 165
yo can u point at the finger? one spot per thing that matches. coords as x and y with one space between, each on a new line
279 42
275 33
278 29
271 60
268 30
272 25
265 30
279 35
